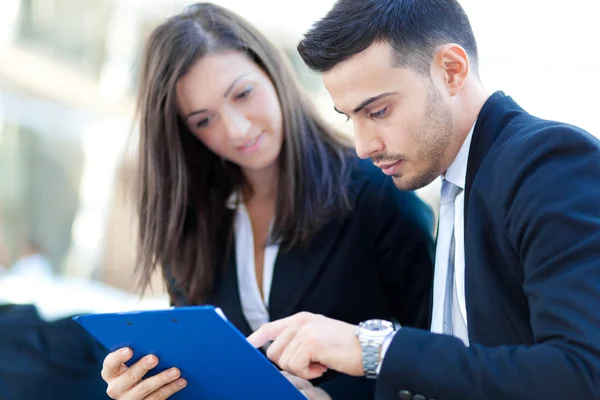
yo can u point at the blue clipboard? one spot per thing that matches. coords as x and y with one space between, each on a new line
214 357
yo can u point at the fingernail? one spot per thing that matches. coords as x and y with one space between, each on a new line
172 373
181 383
125 352
150 360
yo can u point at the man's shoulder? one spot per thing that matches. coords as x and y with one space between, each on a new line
528 146
530 136
533 153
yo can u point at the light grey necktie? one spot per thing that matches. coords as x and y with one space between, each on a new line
449 193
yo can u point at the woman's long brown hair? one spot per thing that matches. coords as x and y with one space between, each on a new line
182 187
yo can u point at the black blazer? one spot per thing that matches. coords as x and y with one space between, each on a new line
532 271
374 263
47 360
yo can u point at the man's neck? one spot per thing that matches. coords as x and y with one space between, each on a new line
466 110
472 99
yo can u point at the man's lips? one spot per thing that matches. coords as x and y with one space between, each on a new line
389 168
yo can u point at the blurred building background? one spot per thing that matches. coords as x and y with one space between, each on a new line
68 77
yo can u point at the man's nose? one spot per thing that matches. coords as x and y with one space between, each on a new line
367 142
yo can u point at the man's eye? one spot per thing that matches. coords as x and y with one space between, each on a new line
378 114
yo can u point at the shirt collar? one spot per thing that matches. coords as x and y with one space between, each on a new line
233 200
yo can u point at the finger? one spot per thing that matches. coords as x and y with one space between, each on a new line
307 372
315 370
114 363
156 386
286 360
314 393
309 394
308 350
298 357
272 330
269 331
299 383
279 345
132 376
168 390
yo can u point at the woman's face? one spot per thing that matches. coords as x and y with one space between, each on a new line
230 104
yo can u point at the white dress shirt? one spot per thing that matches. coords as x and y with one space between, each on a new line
254 307
456 174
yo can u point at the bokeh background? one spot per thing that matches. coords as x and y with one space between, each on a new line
68 74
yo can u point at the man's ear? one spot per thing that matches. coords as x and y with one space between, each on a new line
453 63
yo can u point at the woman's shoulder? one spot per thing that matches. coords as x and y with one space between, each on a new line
377 194
363 172
368 180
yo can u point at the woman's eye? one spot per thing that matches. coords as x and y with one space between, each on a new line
379 114
244 94
203 123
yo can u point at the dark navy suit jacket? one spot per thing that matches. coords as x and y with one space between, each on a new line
47 360
376 262
532 271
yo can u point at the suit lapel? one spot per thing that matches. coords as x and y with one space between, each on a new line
293 273
228 296
484 135
495 114
296 269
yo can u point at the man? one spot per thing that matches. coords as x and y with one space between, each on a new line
517 274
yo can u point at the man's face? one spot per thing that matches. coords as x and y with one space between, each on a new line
401 120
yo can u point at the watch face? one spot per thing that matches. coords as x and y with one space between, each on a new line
377 326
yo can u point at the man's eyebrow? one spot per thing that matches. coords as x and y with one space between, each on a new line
366 102
371 100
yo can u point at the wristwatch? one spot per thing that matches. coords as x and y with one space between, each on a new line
371 335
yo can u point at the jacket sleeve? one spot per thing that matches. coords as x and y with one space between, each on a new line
552 220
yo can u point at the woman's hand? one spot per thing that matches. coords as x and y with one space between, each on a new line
125 383
306 388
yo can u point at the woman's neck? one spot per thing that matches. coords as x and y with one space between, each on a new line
261 184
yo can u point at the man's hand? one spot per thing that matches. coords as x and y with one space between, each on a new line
307 345
306 388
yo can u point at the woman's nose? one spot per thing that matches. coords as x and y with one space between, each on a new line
236 126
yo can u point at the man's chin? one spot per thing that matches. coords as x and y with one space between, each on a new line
401 183
409 184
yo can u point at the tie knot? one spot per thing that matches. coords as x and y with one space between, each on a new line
449 192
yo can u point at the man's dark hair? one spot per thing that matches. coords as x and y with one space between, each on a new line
414 29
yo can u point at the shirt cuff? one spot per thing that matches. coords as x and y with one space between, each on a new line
384 347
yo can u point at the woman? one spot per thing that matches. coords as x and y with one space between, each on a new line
250 202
